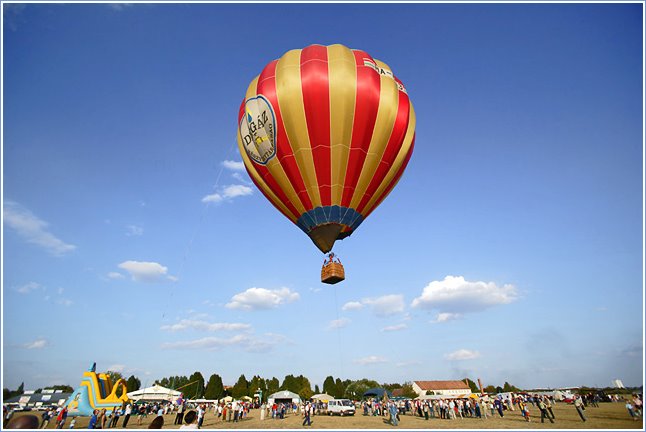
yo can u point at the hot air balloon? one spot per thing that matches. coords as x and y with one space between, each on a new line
325 133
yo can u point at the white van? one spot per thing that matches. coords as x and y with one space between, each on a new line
340 406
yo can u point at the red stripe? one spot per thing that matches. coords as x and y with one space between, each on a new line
365 115
390 152
266 176
395 179
316 101
284 153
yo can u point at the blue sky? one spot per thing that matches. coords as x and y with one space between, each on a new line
511 250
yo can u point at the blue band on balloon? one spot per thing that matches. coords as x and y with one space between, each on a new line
329 214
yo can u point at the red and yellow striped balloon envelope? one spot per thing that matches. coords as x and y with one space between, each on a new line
325 134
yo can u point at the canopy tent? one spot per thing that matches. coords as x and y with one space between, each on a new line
247 398
438 397
377 393
226 399
284 396
155 392
323 397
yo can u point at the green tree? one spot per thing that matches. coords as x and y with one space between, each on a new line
114 376
328 386
356 389
21 389
240 388
273 385
194 389
256 383
509 388
339 388
408 391
316 389
498 389
473 386
490 389
133 383
214 388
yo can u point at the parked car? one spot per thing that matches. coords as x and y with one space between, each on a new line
341 407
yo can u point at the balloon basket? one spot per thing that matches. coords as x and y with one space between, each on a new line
332 273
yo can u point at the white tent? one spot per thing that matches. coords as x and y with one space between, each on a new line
155 392
284 396
323 397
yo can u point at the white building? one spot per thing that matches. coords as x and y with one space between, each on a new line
445 388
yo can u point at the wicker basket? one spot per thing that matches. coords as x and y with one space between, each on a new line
332 273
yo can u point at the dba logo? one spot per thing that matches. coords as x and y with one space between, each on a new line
258 130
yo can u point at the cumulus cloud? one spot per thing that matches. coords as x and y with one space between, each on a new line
228 193
246 342
188 324
338 323
370 360
29 287
454 296
393 328
353 305
142 271
233 165
115 275
462 354
447 316
37 344
33 229
385 305
262 298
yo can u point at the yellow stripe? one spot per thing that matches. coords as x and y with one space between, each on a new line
399 160
275 169
342 73
290 100
384 123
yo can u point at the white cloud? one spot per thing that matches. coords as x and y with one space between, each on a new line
338 323
455 295
37 344
115 275
409 363
370 360
228 193
142 271
353 305
386 305
393 328
246 342
29 287
188 324
65 302
447 316
134 231
462 354
233 165
117 368
262 298
33 229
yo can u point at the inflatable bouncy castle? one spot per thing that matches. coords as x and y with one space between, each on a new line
97 391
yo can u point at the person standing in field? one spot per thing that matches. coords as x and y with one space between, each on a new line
578 404
543 408
548 406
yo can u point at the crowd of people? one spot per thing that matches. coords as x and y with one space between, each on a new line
190 415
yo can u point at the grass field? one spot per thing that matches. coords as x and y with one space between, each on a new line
607 416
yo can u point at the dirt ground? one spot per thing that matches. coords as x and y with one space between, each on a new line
607 416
